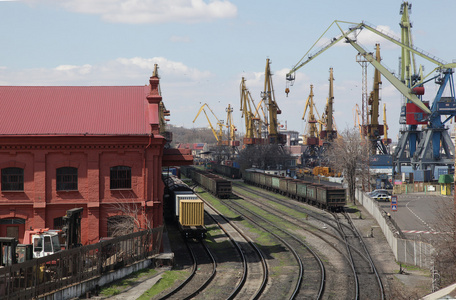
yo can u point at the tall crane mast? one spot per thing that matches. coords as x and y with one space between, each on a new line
252 120
231 128
372 128
329 133
273 109
434 143
386 140
311 154
312 133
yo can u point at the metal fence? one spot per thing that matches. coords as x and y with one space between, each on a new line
405 251
43 276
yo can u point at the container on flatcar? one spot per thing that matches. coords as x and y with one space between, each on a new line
182 196
191 218
192 212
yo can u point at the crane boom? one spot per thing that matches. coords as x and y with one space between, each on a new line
398 84
218 135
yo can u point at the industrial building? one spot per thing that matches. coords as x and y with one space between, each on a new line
95 147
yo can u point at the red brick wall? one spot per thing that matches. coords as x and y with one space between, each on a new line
40 203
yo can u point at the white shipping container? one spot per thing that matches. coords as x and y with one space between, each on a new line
183 196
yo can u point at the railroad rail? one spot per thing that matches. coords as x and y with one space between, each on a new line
196 282
324 224
240 240
363 266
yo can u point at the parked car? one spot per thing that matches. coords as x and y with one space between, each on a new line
382 196
375 192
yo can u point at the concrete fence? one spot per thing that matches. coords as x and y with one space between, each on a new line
410 252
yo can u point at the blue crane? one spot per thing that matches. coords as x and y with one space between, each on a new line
420 148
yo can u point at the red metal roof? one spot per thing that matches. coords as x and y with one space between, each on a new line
68 110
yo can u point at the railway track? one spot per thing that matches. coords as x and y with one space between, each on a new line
202 273
331 234
255 273
368 282
243 272
311 268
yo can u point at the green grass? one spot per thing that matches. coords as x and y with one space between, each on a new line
121 285
168 279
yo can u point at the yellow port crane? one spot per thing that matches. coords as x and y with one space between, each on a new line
386 140
217 134
356 114
311 136
269 99
252 120
329 133
231 128
373 129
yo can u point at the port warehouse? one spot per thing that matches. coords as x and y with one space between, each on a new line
104 162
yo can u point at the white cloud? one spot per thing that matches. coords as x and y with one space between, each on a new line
151 11
122 71
369 38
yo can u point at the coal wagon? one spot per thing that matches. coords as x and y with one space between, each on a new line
318 194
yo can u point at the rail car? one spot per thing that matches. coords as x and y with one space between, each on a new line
183 206
320 195
228 171
216 185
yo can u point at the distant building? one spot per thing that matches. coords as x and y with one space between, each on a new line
95 147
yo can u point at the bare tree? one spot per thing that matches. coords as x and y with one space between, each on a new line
130 217
349 153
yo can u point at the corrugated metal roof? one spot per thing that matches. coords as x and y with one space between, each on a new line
68 110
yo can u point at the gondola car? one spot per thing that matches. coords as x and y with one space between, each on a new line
214 184
228 171
320 195
185 207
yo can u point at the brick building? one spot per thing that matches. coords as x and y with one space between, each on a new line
95 147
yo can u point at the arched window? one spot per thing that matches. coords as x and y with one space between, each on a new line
120 177
12 179
67 179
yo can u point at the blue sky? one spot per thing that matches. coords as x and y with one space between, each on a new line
204 48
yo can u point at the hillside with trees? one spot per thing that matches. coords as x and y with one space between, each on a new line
191 135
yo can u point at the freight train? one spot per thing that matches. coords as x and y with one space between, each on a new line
228 171
183 206
216 185
320 195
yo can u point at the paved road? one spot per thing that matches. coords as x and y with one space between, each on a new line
420 214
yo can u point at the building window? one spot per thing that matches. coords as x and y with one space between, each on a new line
67 179
12 179
120 178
